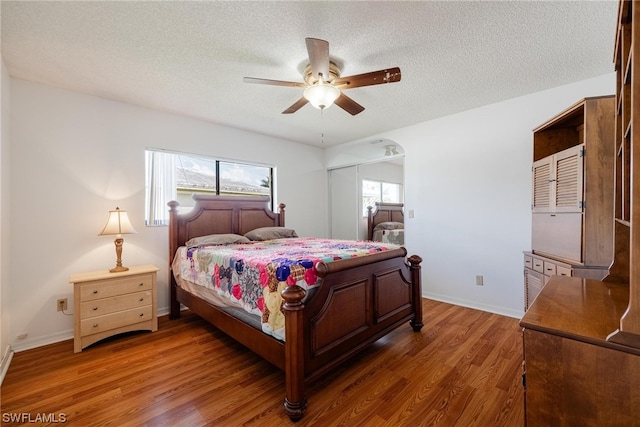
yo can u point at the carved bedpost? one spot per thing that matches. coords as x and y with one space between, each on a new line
174 305
281 207
369 222
295 402
414 261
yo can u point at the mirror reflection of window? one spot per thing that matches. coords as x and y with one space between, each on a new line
378 191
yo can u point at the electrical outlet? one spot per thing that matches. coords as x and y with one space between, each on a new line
62 304
479 280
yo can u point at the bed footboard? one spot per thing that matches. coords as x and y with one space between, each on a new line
359 301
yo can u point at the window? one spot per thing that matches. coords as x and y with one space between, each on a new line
378 191
178 176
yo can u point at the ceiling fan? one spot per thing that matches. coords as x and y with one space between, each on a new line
323 85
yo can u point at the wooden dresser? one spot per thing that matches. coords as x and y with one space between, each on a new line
573 376
107 304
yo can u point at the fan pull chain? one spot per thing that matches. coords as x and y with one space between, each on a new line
321 126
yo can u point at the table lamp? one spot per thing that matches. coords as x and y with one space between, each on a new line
118 224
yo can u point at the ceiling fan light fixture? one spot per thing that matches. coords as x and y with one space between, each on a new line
390 150
321 95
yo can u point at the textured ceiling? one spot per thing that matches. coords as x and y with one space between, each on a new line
189 57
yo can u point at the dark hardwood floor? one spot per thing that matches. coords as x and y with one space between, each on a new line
462 369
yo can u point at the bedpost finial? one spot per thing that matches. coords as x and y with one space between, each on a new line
173 205
281 207
293 296
414 260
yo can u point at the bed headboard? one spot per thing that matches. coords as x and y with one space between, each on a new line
213 214
383 212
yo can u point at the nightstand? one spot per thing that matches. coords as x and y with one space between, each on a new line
106 304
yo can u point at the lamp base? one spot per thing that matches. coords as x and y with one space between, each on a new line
118 268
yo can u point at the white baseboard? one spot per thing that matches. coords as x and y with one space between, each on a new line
475 305
28 344
6 361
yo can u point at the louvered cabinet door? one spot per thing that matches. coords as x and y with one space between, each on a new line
558 182
533 283
542 183
568 178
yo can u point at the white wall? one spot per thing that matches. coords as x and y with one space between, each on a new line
5 348
74 157
467 179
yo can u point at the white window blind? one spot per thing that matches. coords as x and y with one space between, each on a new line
161 186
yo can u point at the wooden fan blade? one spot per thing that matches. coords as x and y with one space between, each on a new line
389 75
348 104
318 57
296 106
272 82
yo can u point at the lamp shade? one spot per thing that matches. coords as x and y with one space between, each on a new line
118 223
321 95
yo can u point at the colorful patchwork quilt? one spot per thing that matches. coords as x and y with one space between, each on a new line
252 275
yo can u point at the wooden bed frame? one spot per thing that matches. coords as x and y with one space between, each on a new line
383 212
358 301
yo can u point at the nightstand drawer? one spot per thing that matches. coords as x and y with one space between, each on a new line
103 306
112 287
107 322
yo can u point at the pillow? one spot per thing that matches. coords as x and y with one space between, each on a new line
389 226
269 233
216 239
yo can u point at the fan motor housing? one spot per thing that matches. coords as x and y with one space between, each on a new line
334 73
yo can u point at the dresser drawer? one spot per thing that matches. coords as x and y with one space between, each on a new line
563 271
528 262
538 265
549 268
107 322
103 306
112 287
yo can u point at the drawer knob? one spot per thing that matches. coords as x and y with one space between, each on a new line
95 325
95 308
95 292
141 314
141 299
141 283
